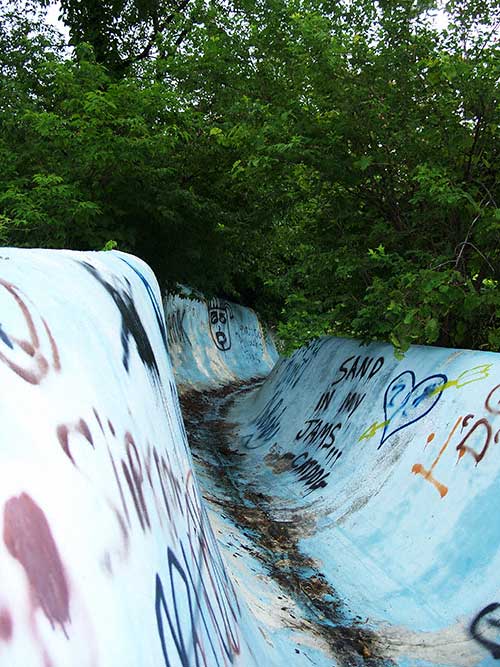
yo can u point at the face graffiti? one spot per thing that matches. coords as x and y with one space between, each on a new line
219 314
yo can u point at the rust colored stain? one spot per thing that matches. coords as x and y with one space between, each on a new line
29 540
5 625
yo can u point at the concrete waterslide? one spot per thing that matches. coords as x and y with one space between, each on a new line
340 512
363 499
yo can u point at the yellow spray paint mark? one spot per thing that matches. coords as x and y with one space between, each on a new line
371 430
469 376
475 374
418 468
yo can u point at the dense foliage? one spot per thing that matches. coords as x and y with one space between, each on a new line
332 163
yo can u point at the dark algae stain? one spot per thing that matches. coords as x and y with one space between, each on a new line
28 538
131 326
275 541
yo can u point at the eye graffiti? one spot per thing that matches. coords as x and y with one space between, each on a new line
219 314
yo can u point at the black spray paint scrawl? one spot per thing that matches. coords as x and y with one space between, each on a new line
131 325
219 314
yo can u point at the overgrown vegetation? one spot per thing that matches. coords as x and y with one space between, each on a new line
333 164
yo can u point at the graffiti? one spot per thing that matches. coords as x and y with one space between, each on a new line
29 540
483 425
5 339
219 314
493 409
406 402
129 463
310 472
356 368
24 355
131 325
158 311
468 376
267 423
200 611
324 401
175 327
353 368
292 370
487 621
198 584
475 374
63 431
288 372
318 432
479 427
418 468
351 403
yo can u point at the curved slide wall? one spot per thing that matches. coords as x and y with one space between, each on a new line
397 463
215 342
106 555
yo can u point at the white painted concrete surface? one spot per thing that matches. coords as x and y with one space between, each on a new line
106 554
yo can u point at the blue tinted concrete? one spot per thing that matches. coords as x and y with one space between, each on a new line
398 461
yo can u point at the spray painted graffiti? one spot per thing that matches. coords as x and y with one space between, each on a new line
175 326
475 374
154 302
332 413
148 488
487 622
219 314
198 584
406 402
129 460
479 429
131 325
33 353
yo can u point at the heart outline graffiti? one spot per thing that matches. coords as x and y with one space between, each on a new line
402 388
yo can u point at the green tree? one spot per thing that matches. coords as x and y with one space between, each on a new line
333 164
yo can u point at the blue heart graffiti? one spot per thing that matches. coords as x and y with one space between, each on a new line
406 402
